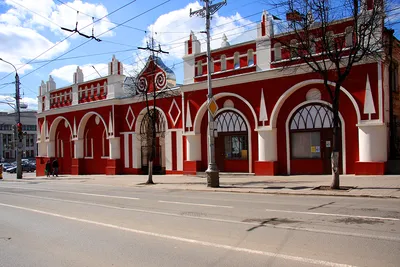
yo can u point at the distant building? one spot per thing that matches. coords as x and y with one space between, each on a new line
7 144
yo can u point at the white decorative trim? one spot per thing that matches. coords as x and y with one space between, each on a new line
126 150
284 96
83 122
263 109
142 113
110 126
188 117
369 107
203 108
97 120
380 91
179 151
170 109
53 127
288 133
135 156
249 145
74 132
130 112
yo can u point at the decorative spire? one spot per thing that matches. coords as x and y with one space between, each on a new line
225 42
110 126
74 133
369 107
263 110
188 116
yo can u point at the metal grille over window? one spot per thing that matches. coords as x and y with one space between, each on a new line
230 122
312 117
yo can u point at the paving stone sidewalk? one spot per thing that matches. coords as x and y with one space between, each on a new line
387 186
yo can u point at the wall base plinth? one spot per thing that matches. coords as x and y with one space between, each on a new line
76 167
370 168
191 167
41 165
265 167
112 167
132 171
173 172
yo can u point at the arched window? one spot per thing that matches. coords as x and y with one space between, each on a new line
349 36
233 129
223 62
293 48
236 61
278 51
306 127
199 68
250 57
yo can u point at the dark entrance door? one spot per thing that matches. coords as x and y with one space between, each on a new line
220 152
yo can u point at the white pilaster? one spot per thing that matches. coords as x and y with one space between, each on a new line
42 149
75 95
168 151
51 151
126 150
136 153
179 151
115 148
372 143
193 147
78 148
267 149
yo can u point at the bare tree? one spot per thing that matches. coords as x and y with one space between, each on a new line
310 39
151 87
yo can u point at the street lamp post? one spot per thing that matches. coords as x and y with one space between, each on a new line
18 122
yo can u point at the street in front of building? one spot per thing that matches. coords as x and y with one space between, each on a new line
81 221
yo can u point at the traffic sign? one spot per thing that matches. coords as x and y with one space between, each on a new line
212 106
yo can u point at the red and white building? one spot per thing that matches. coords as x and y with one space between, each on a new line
271 120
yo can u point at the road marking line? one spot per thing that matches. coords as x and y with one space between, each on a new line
195 204
389 238
334 215
70 192
182 239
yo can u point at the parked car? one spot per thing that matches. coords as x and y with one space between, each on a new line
26 167
7 166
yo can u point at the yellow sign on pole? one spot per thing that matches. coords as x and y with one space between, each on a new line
212 107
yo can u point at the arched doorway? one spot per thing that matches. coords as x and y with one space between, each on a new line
311 140
96 146
64 147
231 144
148 143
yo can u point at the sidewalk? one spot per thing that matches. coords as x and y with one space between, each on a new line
387 186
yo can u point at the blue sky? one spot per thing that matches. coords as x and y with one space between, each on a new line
30 27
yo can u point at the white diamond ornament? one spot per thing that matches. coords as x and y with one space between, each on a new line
130 118
174 105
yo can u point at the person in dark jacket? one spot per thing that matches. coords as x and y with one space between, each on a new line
48 168
55 167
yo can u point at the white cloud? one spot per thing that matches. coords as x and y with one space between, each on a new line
65 73
31 102
173 29
18 44
61 15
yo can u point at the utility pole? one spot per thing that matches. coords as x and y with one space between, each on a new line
153 113
212 171
18 128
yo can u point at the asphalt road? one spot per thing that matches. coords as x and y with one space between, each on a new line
72 224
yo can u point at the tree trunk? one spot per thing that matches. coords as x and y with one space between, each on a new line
150 177
336 141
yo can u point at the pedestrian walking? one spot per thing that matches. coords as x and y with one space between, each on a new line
47 170
55 167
